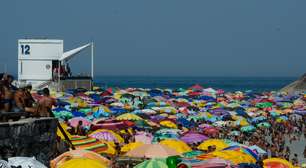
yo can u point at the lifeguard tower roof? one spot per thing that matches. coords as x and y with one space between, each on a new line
37 59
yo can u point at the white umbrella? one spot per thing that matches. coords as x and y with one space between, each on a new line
25 162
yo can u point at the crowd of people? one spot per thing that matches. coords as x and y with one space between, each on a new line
19 99
277 139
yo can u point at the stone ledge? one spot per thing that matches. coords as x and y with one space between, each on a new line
29 137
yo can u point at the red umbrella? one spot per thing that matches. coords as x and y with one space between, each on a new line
196 87
194 93
211 131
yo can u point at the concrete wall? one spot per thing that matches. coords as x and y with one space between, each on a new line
29 137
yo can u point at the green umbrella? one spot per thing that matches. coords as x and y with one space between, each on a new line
264 124
63 114
192 154
153 163
264 105
85 110
142 124
249 128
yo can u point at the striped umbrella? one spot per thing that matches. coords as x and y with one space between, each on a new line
88 143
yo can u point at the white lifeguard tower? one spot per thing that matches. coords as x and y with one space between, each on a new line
37 59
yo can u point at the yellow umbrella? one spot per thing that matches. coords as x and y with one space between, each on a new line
168 124
178 145
131 146
74 154
129 116
59 133
218 143
82 162
235 157
110 148
276 162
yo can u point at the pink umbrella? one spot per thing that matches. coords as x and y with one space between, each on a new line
75 121
192 137
104 135
205 126
144 137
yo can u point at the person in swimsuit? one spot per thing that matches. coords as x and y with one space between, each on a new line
19 100
45 104
8 93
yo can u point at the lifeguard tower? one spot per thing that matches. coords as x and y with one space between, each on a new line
38 59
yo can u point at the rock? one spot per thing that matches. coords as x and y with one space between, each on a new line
29 137
296 86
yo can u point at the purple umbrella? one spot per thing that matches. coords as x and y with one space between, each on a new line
104 135
193 137
301 112
219 112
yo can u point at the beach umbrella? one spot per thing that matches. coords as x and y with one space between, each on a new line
168 124
144 137
211 131
192 137
258 119
75 121
153 163
166 134
218 143
65 128
196 87
152 151
235 133
281 119
249 128
233 105
209 163
243 149
264 124
88 143
168 109
300 112
106 135
177 145
25 162
274 113
235 157
83 162
264 104
63 115
74 154
168 131
277 163
130 146
142 124
128 116
258 149
192 154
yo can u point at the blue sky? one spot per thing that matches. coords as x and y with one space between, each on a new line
166 37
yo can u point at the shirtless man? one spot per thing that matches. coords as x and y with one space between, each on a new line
21 99
45 104
8 93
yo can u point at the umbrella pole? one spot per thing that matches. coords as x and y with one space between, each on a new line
63 132
65 135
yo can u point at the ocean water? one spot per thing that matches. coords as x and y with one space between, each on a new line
257 84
